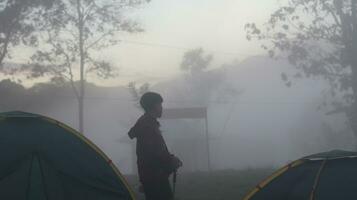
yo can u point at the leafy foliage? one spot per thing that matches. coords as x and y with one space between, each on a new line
201 84
195 61
19 20
319 37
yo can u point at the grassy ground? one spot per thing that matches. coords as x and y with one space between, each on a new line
218 185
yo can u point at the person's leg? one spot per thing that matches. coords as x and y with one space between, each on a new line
159 190
150 190
165 190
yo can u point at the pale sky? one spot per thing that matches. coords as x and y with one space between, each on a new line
173 26
215 25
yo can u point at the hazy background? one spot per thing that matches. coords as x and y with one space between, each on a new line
265 124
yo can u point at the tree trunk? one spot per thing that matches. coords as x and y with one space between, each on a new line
82 81
351 45
80 114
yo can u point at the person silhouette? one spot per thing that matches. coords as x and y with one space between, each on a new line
155 162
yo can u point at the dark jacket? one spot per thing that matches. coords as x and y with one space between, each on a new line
153 158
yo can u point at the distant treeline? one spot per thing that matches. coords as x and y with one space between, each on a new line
14 96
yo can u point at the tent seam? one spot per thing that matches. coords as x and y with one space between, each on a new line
95 148
86 141
276 174
317 179
29 177
43 176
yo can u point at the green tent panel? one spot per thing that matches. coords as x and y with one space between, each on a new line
43 159
324 176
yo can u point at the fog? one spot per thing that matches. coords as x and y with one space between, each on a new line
264 124
273 94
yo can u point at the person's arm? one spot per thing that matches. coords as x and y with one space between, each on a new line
156 151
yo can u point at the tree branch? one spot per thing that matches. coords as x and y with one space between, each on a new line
88 10
332 13
71 78
98 40
4 49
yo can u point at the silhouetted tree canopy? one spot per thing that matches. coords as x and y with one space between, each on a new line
195 61
19 21
201 83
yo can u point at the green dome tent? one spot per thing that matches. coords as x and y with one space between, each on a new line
324 176
43 159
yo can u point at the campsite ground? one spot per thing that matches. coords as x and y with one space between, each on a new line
218 185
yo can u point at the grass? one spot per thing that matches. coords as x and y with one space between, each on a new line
217 185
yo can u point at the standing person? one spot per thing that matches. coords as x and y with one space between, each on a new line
155 162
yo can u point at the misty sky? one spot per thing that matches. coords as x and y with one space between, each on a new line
173 26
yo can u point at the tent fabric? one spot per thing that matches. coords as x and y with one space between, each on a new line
43 159
324 176
335 154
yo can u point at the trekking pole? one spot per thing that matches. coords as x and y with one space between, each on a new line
174 184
